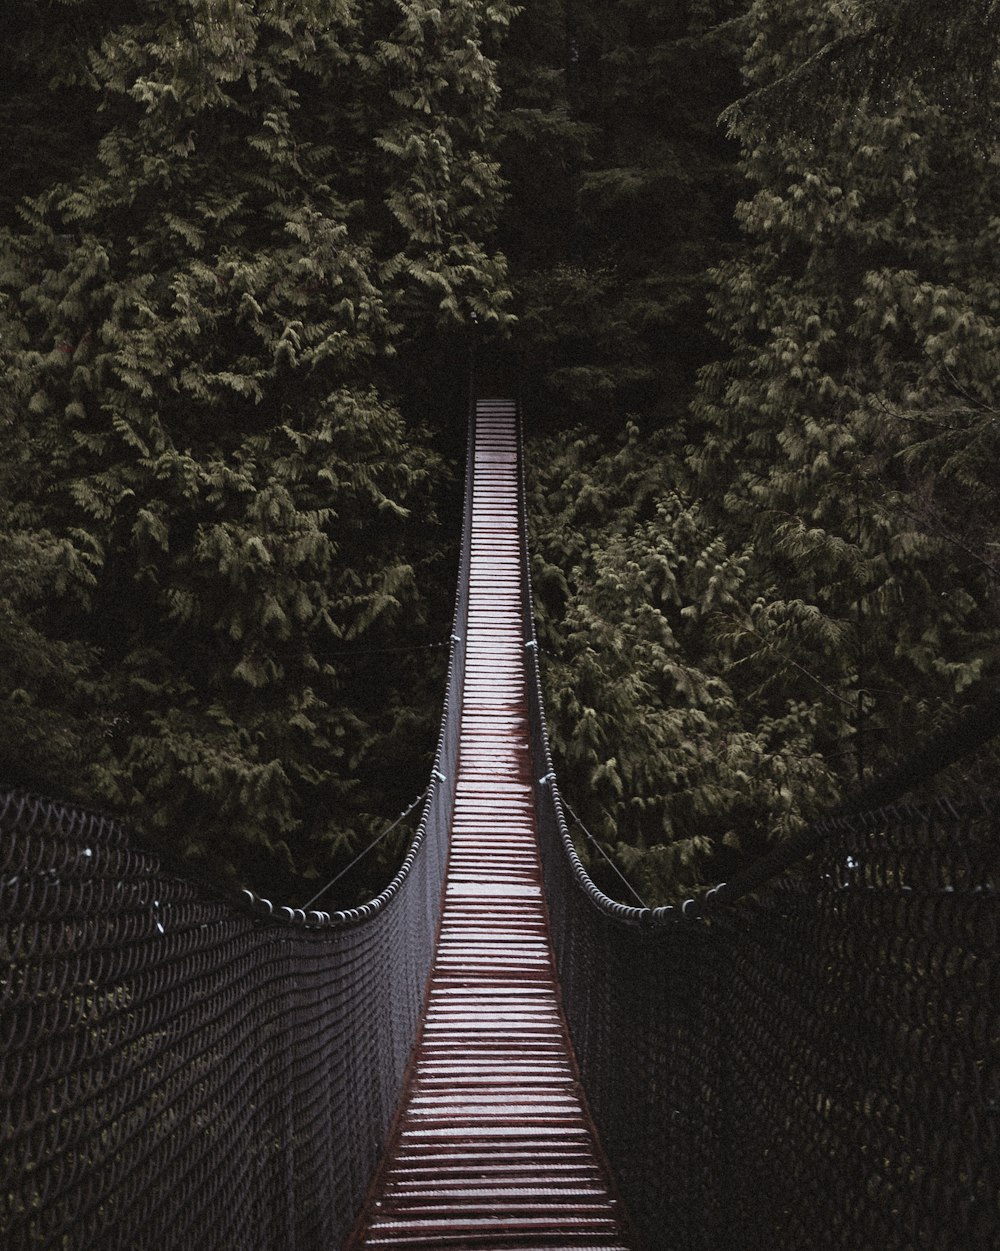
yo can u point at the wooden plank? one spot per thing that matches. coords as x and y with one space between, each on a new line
493 1146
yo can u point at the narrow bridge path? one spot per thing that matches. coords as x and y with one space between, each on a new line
493 1147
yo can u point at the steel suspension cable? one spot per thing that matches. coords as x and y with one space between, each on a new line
371 846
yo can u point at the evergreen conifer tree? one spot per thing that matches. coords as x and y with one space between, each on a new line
849 434
740 632
206 497
680 771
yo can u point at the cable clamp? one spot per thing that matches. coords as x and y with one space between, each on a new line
439 776
549 777
531 643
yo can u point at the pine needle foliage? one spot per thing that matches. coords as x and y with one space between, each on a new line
849 434
240 240
669 736
622 195
206 496
751 610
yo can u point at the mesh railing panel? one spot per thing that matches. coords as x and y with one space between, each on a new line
181 1069
176 1070
817 1068
814 1067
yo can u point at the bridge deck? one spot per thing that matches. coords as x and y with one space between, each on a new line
493 1147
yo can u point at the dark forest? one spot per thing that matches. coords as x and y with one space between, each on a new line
742 258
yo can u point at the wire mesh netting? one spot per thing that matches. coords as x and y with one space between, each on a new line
176 1070
817 1068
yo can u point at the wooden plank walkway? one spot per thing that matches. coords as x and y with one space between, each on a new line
493 1147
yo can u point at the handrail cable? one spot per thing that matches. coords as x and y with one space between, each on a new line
817 1064
597 846
969 733
373 844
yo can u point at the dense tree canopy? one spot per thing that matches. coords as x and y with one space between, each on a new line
208 486
244 245
836 482
622 186
849 432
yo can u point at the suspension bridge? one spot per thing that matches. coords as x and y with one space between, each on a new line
492 1054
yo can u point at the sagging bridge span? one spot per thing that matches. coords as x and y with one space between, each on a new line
491 1054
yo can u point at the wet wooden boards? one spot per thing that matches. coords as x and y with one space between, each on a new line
493 1147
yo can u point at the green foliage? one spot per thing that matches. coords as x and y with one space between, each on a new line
433 95
850 431
52 736
742 630
208 498
863 50
240 239
667 732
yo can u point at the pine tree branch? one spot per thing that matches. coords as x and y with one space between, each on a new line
750 629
